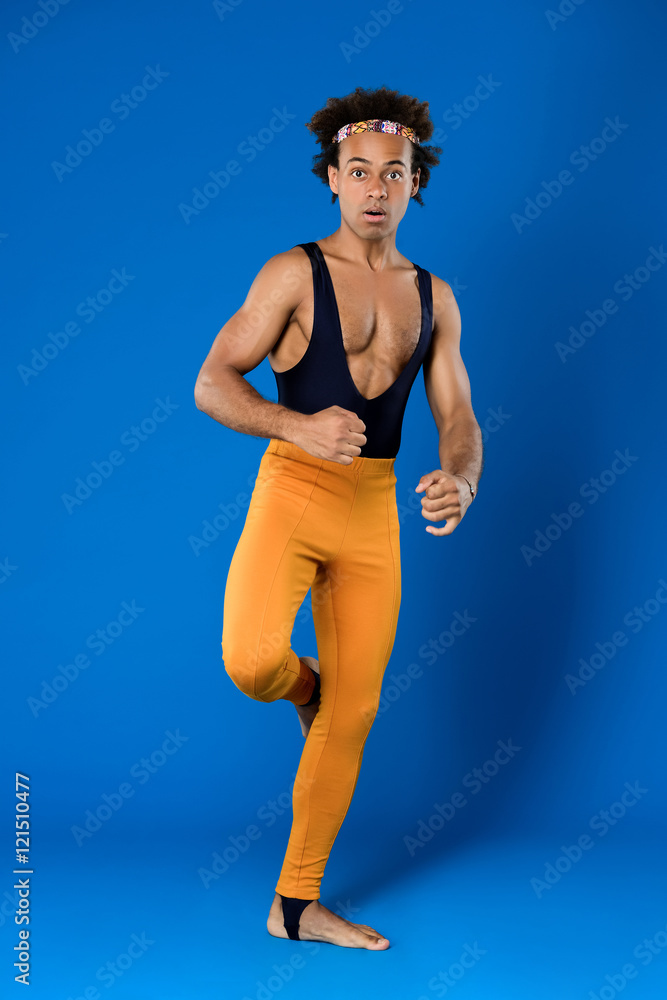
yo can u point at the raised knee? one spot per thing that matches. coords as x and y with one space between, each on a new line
252 671
241 673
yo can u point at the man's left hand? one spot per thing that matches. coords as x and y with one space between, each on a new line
446 498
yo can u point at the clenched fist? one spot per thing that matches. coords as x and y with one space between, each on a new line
446 498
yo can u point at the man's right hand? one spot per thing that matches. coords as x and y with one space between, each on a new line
334 434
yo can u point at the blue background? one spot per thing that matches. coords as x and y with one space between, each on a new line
521 287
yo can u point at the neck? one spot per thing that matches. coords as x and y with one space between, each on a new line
375 254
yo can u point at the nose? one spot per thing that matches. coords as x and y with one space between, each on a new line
376 189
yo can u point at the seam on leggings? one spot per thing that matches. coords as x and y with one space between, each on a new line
324 745
333 616
391 618
393 563
347 523
361 749
270 590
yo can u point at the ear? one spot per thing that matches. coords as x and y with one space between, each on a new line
333 178
415 182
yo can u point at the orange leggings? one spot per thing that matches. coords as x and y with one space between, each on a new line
333 528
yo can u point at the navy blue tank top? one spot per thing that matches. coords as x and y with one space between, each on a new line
322 377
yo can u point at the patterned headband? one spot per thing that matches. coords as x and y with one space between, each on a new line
376 125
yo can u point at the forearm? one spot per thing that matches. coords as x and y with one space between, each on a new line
233 401
461 450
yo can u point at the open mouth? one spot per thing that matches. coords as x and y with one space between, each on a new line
374 213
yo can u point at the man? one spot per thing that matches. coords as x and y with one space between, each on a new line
346 323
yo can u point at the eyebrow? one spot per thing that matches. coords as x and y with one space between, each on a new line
385 164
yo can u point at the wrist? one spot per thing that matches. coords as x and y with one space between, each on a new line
294 425
471 486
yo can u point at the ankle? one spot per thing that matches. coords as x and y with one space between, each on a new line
293 908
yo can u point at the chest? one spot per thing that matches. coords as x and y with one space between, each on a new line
378 318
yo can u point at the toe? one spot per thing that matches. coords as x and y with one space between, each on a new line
369 930
378 943
378 939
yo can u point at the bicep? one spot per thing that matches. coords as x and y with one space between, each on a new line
445 377
248 336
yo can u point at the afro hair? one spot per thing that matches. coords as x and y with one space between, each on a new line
381 103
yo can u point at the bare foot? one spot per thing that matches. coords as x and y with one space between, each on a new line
317 923
307 713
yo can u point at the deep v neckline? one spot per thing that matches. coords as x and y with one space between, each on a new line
341 341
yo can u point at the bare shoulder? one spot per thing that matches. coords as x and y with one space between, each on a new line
285 272
446 314
247 337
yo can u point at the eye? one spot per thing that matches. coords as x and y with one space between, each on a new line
358 170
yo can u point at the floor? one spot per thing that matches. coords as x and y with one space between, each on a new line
489 919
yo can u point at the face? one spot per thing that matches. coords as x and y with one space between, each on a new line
374 172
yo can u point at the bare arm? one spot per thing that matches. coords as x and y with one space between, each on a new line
244 341
448 391
446 493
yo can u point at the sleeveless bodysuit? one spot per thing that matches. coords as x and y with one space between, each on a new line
322 377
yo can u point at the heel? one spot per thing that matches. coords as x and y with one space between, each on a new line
292 910
315 696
